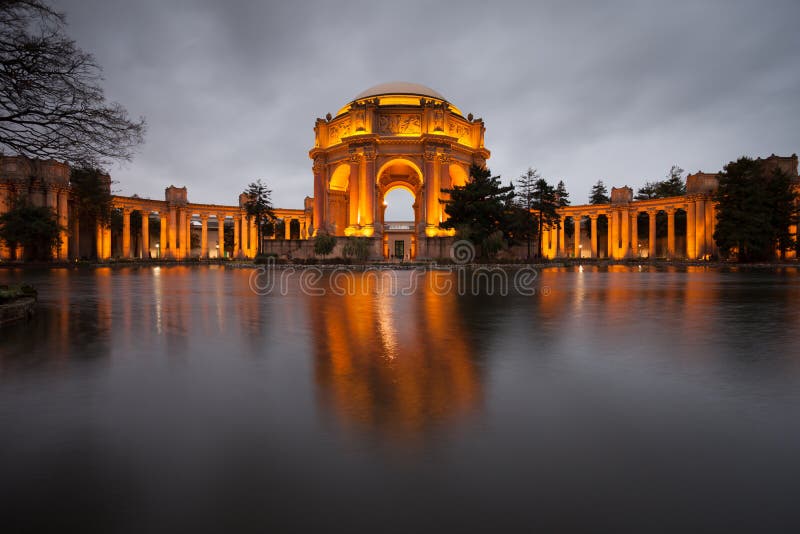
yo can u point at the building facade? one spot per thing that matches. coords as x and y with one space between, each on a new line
393 135
164 228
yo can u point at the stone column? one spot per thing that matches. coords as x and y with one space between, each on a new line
183 239
320 187
367 187
651 239
245 236
561 237
354 217
431 192
51 198
625 234
593 219
634 234
126 233
691 231
614 252
221 234
173 234
63 222
145 234
163 235
700 224
670 233
287 228
576 222
609 235
253 238
709 212
237 244
204 235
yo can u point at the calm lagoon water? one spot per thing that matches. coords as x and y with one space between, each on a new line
175 399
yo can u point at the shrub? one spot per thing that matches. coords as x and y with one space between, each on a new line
324 244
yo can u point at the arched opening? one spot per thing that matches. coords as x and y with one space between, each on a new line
400 216
399 205
338 200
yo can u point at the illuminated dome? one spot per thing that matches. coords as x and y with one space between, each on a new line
399 88
399 94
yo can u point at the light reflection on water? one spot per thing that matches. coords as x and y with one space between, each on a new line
176 398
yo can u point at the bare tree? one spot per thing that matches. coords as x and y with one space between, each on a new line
51 102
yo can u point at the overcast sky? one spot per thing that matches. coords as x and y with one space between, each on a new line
581 91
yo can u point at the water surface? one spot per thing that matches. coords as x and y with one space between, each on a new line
177 399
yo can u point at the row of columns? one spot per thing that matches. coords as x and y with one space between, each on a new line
175 235
623 238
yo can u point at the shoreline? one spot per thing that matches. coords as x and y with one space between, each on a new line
563 263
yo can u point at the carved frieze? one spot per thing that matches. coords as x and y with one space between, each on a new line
458 130
338 130
400 124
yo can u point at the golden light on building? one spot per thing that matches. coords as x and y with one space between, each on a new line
392 135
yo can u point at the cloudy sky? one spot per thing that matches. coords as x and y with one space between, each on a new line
581 91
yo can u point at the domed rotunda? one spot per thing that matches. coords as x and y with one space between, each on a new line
393 135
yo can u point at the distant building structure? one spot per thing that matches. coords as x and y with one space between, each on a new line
396 135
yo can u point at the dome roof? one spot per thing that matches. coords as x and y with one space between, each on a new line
399 88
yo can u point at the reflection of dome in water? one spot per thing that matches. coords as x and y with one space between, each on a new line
399 88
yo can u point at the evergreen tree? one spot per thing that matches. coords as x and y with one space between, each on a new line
756 205
523 221
599 194
91 191
478 208
259 207
562 196
34 227
673 186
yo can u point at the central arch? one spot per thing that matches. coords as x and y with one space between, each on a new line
400 237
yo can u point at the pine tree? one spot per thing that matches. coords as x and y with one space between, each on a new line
599 194
259 207
754 211
478 208
525 222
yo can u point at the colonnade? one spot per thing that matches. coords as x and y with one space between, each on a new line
174 239
623 235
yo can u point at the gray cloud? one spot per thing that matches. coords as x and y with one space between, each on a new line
612 90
